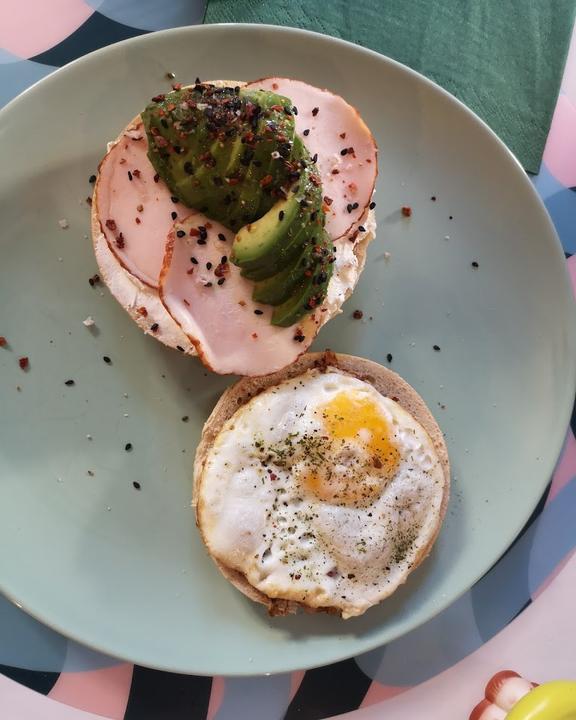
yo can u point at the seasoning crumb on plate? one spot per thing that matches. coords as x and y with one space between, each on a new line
406 211
24 363
128 447
64 224
89 322
357 314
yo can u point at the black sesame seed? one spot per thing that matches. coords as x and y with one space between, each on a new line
354 206
436 347
106 359
208 284
433 198
179 347
361 228
281 215
129 176
164 123
128 447
69 383
372 205
188 169
223 259
475 264
313 216
315 157
136 484
306 132
193 261
258 312
315 111
154 327
349 207
221 237
221 281
450 217
92 179
208 266
389 357
218 181
173 215
201 241
180 233
174 199
295 110
344 151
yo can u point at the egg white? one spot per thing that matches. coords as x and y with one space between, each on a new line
347 549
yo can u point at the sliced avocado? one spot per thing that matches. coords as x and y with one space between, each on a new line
278 288
199 139
265 236
308 295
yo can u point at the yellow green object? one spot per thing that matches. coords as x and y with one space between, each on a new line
551 701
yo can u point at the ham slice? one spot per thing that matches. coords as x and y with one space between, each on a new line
213 305
136 211
143 243
347 152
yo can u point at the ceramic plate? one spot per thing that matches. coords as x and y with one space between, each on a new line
122 569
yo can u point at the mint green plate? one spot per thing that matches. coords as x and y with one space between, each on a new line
124 570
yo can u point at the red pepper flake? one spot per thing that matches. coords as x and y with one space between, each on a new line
110 224
137 220
170 107
255 336
406 211
327 200
89 201
158 98
266 180
274 86
343 135
122 161
351 151
136 173
156 178
24 363
208 225
142 311
235 181
357 314
194 232
299 337
3 341
189 272
242 303
315 111
185 302
154 327
278 108
177 86
335 171
120 241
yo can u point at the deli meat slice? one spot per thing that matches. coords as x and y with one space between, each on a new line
135 207
213 305
347 154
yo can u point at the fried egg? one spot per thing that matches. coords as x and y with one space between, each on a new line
322 491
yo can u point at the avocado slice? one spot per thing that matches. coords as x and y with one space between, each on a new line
305 297
254 242
278 288
213 146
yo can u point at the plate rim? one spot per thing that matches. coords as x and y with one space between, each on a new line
564 412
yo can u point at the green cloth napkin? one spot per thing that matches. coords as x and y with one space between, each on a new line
503 58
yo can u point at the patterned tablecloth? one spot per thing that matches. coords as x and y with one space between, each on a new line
519 616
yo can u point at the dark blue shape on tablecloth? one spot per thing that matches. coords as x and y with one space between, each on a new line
156 695
328 691
97 32
41 682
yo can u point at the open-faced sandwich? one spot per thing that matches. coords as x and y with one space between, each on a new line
322 486
231 220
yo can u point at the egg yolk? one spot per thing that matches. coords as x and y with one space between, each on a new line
364 457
